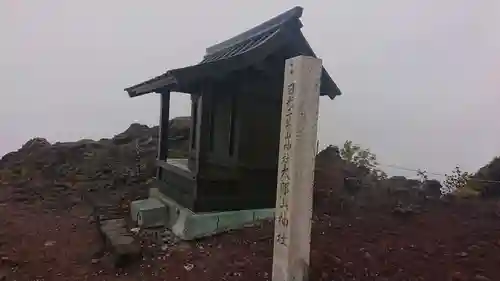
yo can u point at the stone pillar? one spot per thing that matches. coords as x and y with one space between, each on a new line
163 134
292 234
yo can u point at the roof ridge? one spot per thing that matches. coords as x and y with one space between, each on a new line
294 13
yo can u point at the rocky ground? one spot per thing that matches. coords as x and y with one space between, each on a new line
47 231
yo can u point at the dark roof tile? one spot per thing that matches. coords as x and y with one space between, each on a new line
238 52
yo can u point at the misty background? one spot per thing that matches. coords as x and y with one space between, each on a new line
420 79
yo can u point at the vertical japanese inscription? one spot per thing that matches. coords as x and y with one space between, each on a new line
295 169
284 178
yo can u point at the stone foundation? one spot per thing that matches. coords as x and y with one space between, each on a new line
159 210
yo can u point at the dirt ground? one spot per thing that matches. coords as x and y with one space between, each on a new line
454 241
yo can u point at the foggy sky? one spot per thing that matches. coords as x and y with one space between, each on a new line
420 79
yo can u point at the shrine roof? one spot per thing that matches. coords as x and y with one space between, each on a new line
239 52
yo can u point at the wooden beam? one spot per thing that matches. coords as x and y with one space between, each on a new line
270 66
294 199
164 128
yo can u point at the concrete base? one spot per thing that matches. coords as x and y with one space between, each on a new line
188 225
148 213
123 246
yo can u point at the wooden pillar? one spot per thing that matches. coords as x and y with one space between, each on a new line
163 134
294 198
198 118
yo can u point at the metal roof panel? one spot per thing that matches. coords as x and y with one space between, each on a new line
241 51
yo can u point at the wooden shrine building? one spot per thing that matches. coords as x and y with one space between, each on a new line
236 95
